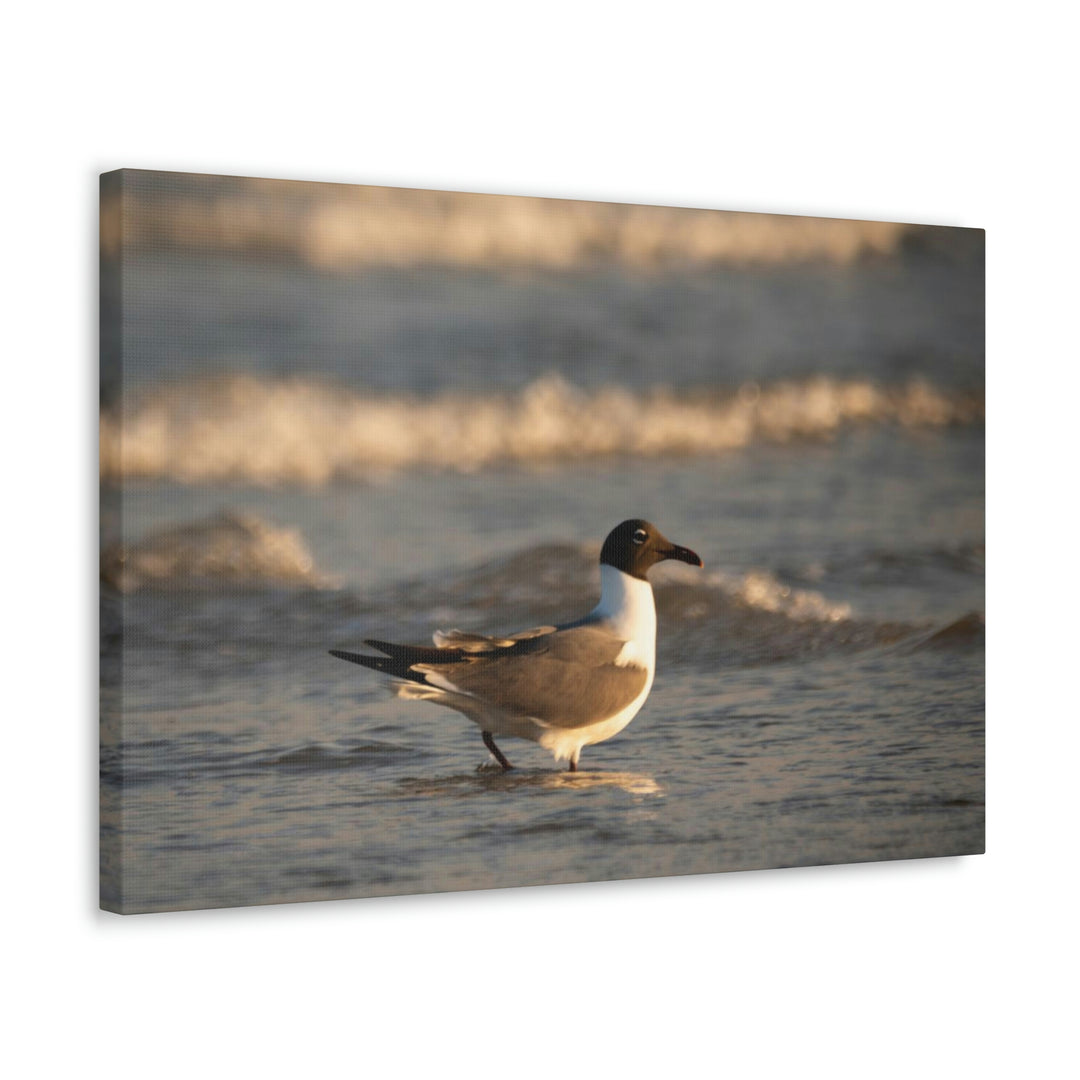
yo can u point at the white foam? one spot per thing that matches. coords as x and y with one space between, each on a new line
763 591
239 549
295 431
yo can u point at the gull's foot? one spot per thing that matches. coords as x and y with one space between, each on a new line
499 756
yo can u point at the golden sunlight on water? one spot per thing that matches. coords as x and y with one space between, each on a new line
303 432
631 783
339 226
495 779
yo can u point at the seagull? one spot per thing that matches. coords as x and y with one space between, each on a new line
564 687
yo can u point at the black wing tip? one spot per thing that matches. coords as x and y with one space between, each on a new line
388 665
353 658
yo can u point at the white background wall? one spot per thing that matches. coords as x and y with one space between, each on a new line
947 113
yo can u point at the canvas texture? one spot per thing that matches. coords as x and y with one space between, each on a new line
667 526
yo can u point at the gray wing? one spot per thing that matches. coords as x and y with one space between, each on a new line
566 678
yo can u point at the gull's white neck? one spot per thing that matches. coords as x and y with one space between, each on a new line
627 606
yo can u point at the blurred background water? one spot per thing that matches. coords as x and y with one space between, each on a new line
330 413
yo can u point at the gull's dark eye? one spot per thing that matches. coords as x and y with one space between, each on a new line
640 536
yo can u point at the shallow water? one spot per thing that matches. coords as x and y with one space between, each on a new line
820 687
819 696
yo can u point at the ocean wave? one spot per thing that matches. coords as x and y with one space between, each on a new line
763 591
707 620
967 632
303 432
238 550
343 227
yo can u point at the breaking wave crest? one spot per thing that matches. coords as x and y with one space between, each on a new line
762 590
272 432
710 620
343 227
238 550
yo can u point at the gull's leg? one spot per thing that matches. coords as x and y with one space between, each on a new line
489 742
574 760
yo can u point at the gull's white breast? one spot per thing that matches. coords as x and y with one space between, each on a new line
627 607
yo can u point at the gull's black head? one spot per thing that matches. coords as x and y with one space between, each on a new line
635 546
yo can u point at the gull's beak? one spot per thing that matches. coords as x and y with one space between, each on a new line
682 554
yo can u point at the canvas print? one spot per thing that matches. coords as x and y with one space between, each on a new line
455 541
